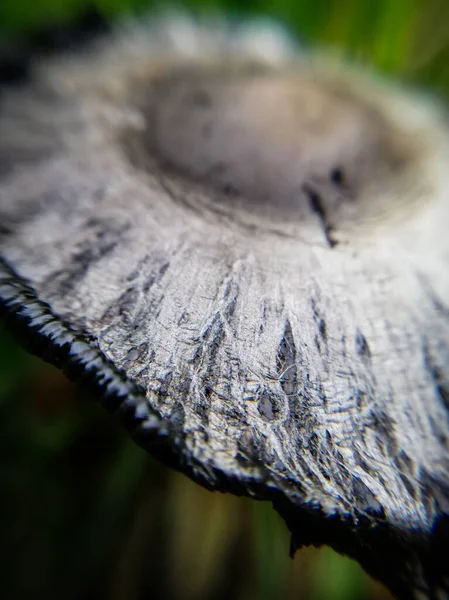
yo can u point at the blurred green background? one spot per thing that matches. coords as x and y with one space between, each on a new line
405 37
87 514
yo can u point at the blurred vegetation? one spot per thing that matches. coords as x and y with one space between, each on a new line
85 512
409 38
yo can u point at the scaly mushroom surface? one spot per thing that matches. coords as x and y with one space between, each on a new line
244 251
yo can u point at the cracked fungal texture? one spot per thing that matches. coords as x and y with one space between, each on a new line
259 244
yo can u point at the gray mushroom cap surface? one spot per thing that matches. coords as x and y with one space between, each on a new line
244 252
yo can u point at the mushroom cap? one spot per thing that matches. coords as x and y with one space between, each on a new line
243 250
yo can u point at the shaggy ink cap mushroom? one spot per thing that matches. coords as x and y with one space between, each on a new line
244 252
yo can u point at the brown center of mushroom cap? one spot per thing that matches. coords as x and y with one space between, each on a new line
283 147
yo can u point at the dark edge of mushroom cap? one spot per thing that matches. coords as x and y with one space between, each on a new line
78 357
43 334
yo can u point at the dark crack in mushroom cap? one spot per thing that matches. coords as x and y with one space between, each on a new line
244 251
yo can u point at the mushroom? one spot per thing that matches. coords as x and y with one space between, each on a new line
243 251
